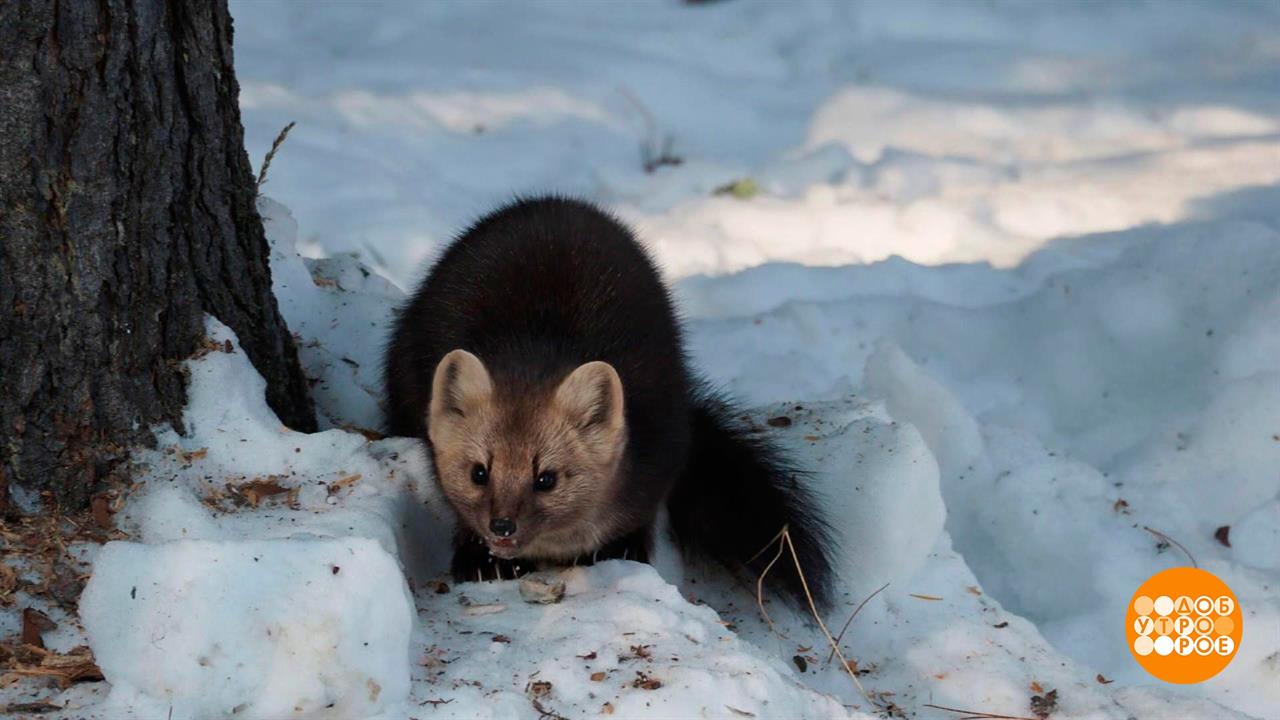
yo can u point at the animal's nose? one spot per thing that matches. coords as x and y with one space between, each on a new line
503 527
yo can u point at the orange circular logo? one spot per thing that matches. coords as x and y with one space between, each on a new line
1183 625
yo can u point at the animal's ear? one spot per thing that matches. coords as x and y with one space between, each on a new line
591 399
461 387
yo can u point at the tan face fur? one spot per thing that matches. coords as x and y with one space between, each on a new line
576 430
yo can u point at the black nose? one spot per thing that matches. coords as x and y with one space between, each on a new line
503 527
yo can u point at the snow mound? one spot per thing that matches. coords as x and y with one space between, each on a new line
305 629
623 641
875 478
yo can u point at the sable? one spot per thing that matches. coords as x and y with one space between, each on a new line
541 361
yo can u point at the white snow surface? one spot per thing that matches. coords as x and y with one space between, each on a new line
273 628
1005 265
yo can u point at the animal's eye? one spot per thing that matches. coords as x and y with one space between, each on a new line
545 481
479 474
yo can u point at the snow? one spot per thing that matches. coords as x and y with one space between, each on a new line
323 624
933 131
1010 269
620 625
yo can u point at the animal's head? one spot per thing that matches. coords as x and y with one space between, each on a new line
530 470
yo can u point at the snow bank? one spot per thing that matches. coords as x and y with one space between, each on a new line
1120 397
239 473
305 629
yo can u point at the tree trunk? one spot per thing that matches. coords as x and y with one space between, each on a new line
126 213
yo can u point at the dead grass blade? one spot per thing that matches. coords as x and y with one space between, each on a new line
976 714
275 146
783 538
854 615
1171 541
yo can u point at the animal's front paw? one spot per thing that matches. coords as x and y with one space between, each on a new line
472 562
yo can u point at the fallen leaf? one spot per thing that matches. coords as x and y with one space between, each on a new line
1036 687
742 189
29 708
64 668
34 623
538 689
606 709
255 491
597 677
1042 706
801 663
1104 680
779 421
343 483
100 506
8 583
645 682
1223 535
371 435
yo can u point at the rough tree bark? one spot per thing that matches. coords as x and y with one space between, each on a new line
126 213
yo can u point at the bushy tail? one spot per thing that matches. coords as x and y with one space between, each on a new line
738 491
